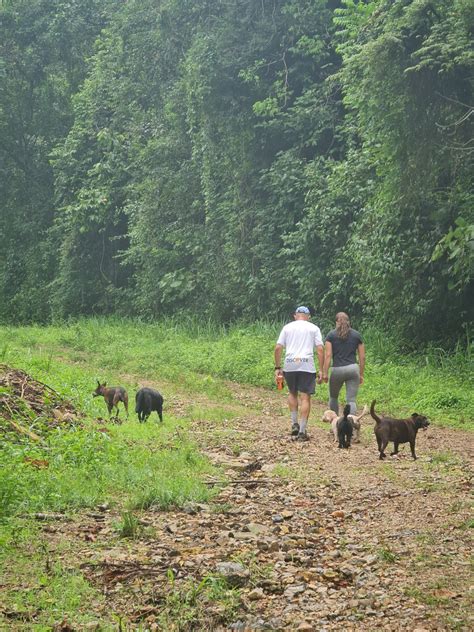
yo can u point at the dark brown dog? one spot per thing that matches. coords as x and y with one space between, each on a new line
112 395
397 430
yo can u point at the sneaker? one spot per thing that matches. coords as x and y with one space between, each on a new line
302 436
295 428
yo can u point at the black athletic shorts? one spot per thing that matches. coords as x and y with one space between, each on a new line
300 381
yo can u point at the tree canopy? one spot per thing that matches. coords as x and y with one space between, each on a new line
230 159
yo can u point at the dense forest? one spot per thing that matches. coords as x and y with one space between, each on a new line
231 158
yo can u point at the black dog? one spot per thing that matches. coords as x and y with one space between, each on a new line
345 429
147 400
397 430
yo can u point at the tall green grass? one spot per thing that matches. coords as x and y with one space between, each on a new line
198 356
87 468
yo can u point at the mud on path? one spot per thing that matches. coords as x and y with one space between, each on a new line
317 538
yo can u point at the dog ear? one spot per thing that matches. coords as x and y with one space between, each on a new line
415 415
104 384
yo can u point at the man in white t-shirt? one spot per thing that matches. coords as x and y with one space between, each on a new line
299 338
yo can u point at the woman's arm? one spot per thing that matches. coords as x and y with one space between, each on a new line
327 359
361 354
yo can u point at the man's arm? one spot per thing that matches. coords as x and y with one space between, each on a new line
361 354
277 354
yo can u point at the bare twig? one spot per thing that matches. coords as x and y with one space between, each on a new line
240 481
114 572
286 76
443 96
49 388
51 516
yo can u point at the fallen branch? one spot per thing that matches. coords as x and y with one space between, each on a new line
19 428
242 481
125 571
49 388
51 516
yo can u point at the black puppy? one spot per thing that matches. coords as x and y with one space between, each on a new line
397 430
344 429
146 400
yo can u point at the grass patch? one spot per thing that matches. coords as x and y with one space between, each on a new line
438 593
258 572
298 471
220 508
386 555
426 539
445 458
129 526
389 471
424 596
38 590
200 605
467 524
87 468
283 471
210 413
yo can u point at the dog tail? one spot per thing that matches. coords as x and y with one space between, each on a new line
138 401
372 413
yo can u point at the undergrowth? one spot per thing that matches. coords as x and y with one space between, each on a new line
86 467
198 356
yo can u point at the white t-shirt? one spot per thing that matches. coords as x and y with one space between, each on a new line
300 339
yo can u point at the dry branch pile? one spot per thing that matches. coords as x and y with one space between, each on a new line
30 408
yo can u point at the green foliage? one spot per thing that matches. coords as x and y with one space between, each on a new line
304 151
43 49
129 525
458 246
386 555
407 81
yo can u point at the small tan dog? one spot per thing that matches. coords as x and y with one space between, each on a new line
331 417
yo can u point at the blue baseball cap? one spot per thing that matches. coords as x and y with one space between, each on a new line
302 310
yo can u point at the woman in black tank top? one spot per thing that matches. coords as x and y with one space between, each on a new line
343 345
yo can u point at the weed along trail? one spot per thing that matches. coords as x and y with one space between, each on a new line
214 518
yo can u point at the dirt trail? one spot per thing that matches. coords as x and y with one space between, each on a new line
323 539
368 544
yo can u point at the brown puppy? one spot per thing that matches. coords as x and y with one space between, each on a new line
397 430
112 395
329 416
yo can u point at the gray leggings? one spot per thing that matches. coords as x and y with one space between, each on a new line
350 376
